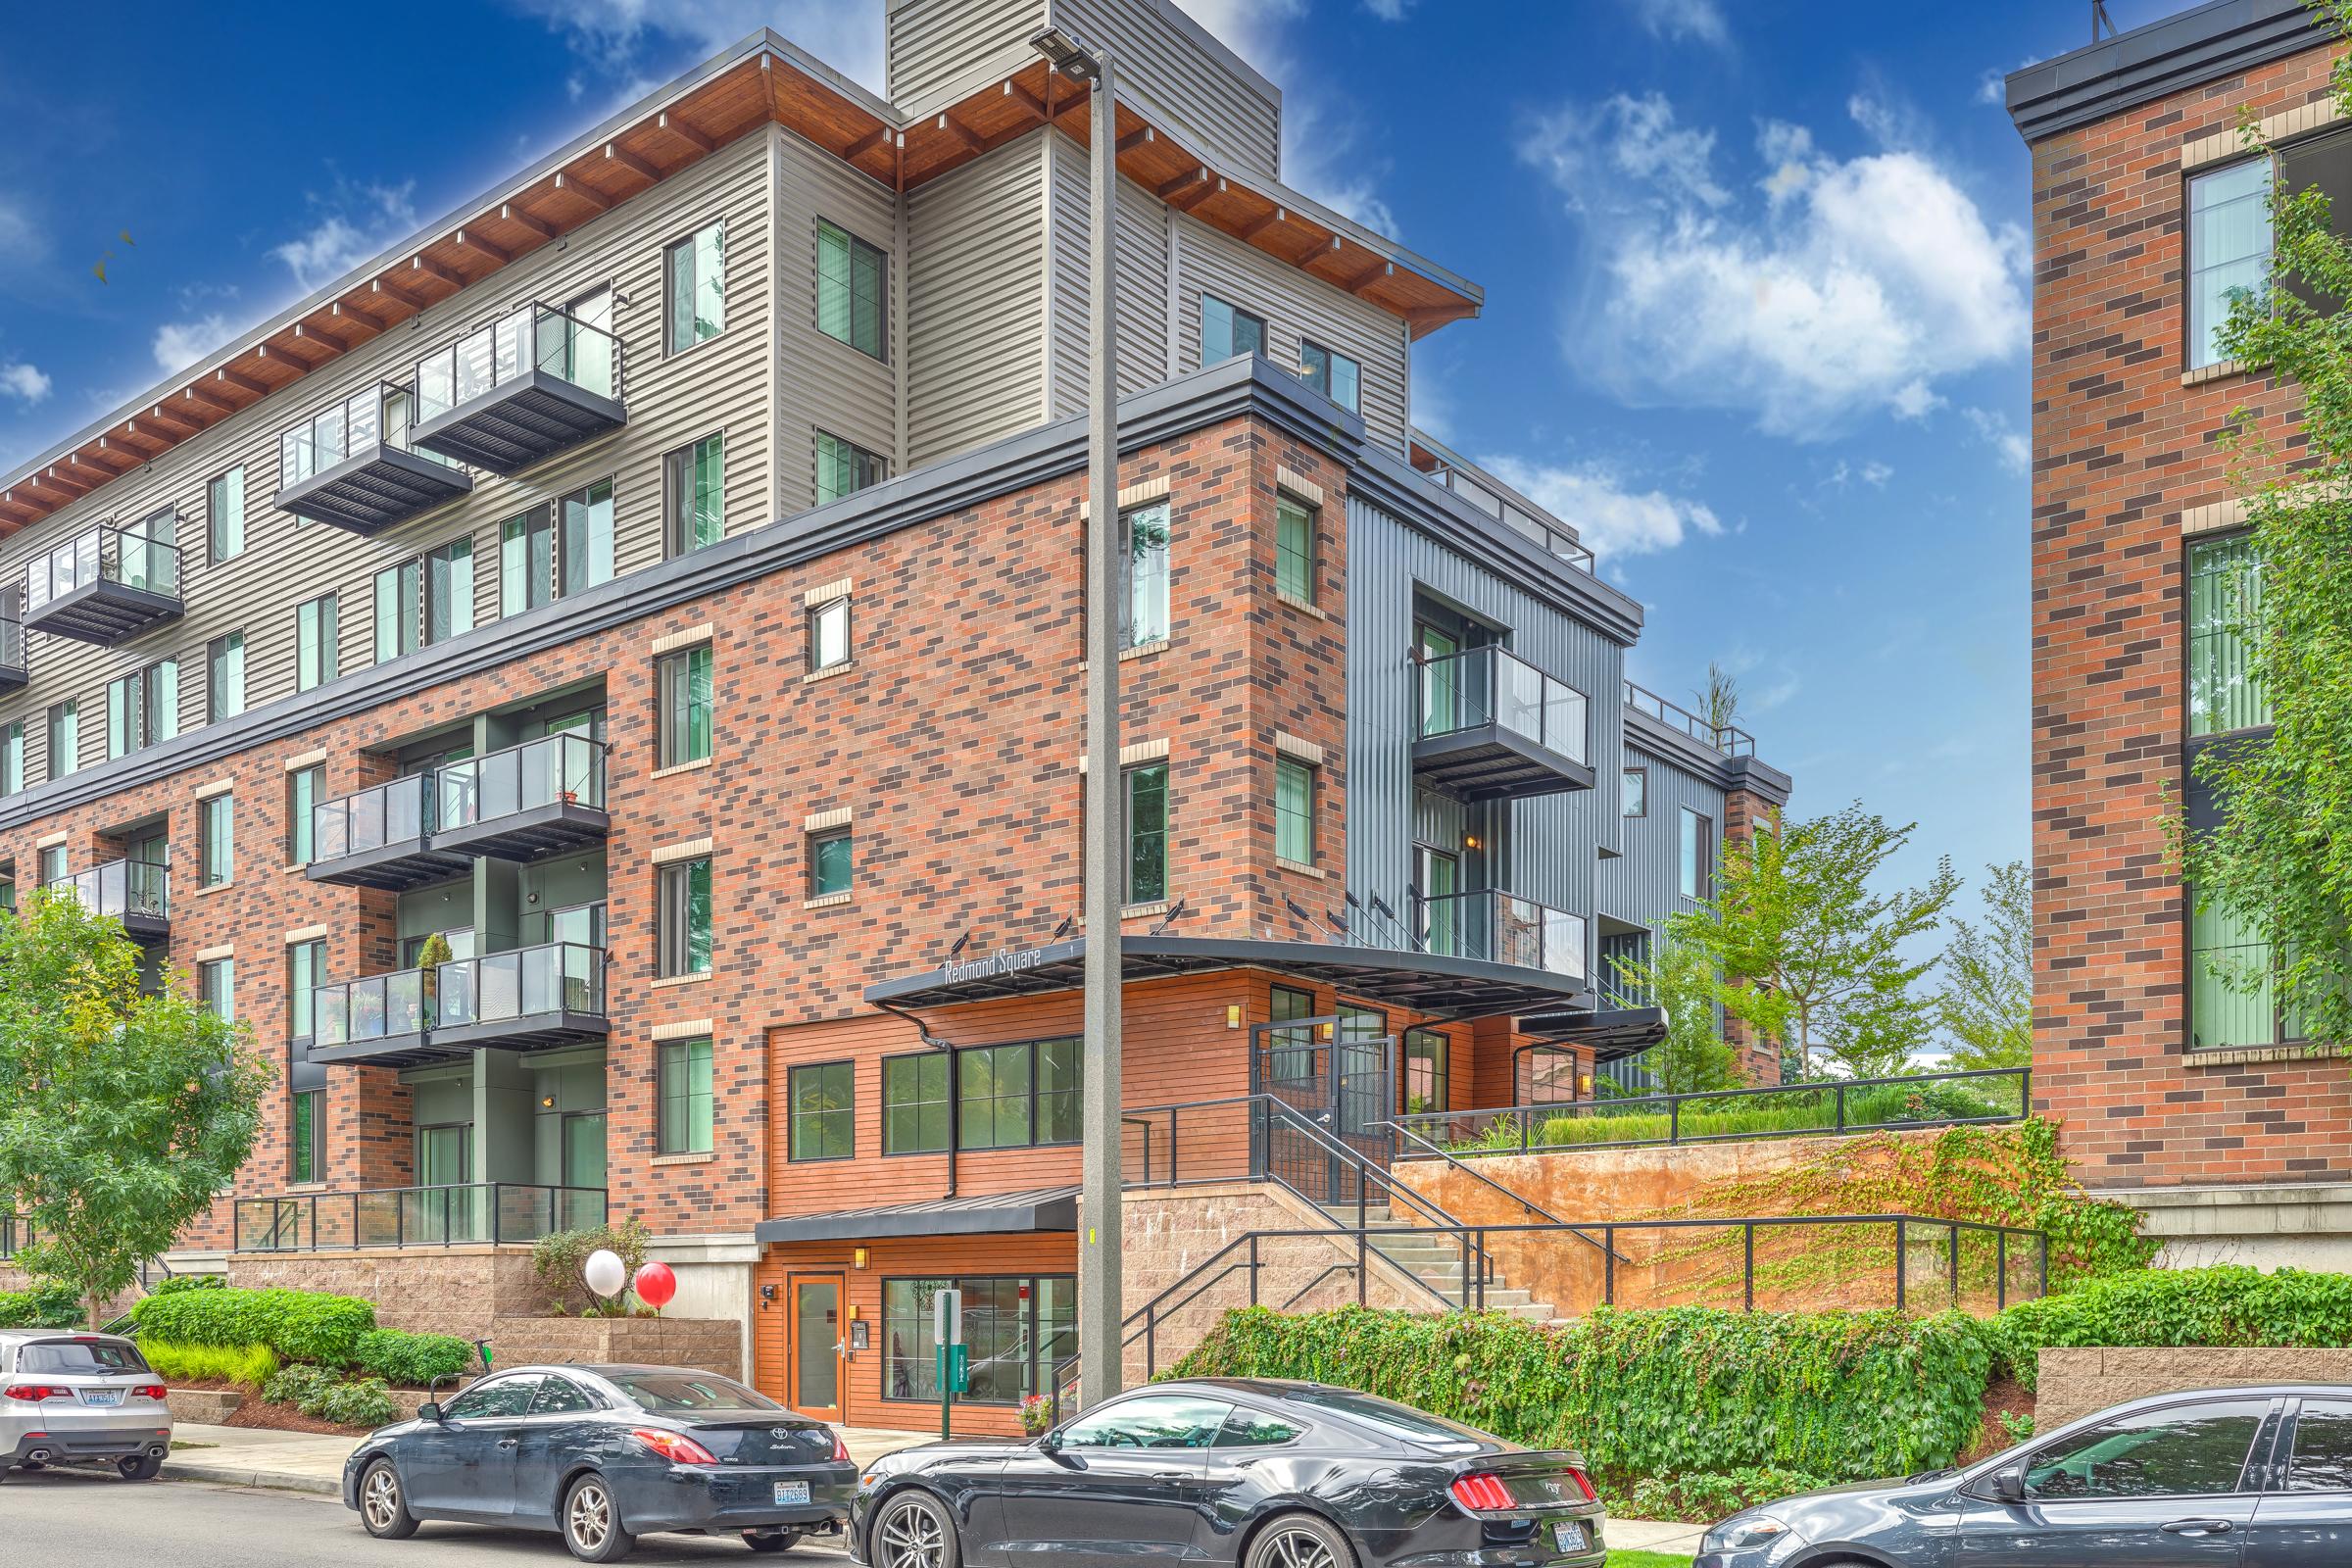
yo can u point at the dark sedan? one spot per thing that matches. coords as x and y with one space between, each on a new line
2227 1478
602 1455
1256 1473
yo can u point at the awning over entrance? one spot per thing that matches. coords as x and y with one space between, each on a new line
1044 1208
1609 1033
1438 984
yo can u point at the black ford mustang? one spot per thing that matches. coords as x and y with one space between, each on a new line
602 1455
1256 1473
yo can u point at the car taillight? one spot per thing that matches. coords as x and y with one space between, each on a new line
841 1450
1583 1482
150 1390
1483 1494
34 1392
675 1446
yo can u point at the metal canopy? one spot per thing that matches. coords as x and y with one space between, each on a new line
1609 1033
1044 1208
1432 983
378 489
1495 762
519 423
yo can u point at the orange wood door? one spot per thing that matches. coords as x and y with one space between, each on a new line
815 1338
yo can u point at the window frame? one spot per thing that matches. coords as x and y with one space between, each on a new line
855 244
1327 382
857 456
793 1113
673 918
2266 1424
216 987
1286 764
2196 354
673 713
945 1103
1129 896
1032 1097
1030 1331
226 649
1131 581
305 1144
1625 776
153 711
1234 313
302 844
667 1055
686 243
217 840
1694 855
1312 555
61 738
327 617
680 472
215 513
815 621
12 752
818 843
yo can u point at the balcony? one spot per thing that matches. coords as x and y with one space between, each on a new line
1490 726
1729 739
352 466
456 1215
525 999
14 671
1498 927
106 585
1521 519
383 1019
381 838
514 393
542 797
137 893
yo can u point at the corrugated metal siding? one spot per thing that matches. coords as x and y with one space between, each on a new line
1162 65
976 302
933 47
1641 885
721 384
1295 305
1141 299
822 382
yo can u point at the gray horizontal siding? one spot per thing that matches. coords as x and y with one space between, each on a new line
1182 77
823 384
976 282
936 50
1141 293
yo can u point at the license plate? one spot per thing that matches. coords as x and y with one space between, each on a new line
1567 1536
102 1396
792 1494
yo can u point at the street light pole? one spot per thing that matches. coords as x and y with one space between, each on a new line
1101 1292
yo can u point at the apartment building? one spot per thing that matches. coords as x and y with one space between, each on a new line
598 690
2181 1088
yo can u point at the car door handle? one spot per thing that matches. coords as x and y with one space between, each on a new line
2196 1527
1171 1475
509 1442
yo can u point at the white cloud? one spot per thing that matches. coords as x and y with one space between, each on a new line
1869 471
355 222
1992 87
21 239
1388 10
180 344
27 383
637 43
1699 20
2011 445
1852 286
1610 517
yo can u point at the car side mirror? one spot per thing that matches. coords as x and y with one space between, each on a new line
2008 1484
429 1410
1050 1443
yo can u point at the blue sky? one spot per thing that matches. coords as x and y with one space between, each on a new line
1756 271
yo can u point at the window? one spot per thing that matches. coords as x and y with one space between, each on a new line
562 1396
1146 798
1012 1097
682 915
829 634
306 967
53 864
225 515
697 495
1143 541
1426 1071
1155 1421
216 987
685 1094
143 708
823 1111
1294 811
2228 248
1695 858
217 854
422 602
306 1138
2181 1451
2231 981
1295 549
224 677
2225 606
1634 793
914 1104
500 1398
2322 1456
1226 331
844 468
305 788
1256 1429
832 862
1015 1332
694 272
850 286
556 548
315 636
7 890
12 756
1547 1075
1332 373
683 682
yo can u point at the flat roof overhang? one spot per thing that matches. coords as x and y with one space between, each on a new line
394 867
376 490
1609 1033
532 833
521 423
412 1047
1044 1208
103 612
1436 984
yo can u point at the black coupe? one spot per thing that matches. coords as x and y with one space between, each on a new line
1256 1473
602 1455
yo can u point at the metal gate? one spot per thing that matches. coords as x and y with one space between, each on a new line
1342 1084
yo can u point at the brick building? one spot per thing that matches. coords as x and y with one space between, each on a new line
598 690
2179 1088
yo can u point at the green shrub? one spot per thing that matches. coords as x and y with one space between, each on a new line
2224 1305
299 1325
246 1365
48 1305
172 1285
558 1257
357 1403
411 1360
1702 1497
298 1386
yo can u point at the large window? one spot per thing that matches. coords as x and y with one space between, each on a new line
844 468
12 756
850 289
2225 604
315 639
1332 373
1012 1096
1226 331
306 787
216 844
1295 549
143 708
307 1139
1146 790
2228 248
914 1104
225 515
695 491
684 1090
306 969
824 1112
1015 1332
64 723
1143 562
1426 1071
2233 997
682 917
224 677
1694 855
2192 1451
556 548
693 274
1294 811
683 683
424 601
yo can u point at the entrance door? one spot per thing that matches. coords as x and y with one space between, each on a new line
1335 1076
444 1211
814 1345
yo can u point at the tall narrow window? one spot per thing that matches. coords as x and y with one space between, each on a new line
306 967
2229 249
845 469
832 862
824 1112
683 920
64 724
584 547
217 847
685 1094
315 642
1144 606
224 677
2225 605
685 690
695 275
143 708
1295 549
1227 330
556 548
1146 798
1426 1071
12 756
53 864
850 289
1696 855
1633 793
307 1139
1294 811
225 515
829 634
305 788
217 988
449 590
399 608
1332 373
697 495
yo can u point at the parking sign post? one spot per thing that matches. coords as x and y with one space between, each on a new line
946 1336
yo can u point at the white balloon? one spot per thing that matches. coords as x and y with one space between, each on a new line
606 1273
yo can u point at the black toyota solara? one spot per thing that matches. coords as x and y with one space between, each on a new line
1256 1473
602 1455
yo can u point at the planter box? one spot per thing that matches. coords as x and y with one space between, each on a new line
204 1406
2077 1381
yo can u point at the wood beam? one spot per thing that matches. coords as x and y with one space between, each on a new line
198 392
367 326
58 481
475 242
394 291
687 133
628 160
516 214
243 384
1025 98
962 133
1168 188
284 356
111 459
585 191
876 137
169 416
335 347
1259 226
1381 268
1137 138
1185 201
422 263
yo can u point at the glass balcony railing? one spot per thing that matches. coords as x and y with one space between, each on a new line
567 769
127 890
1729 739
130 558
369 420
12 642
1482 686
378 1006
1498 927
1554 540
413 1216
533 337
372 820
525 983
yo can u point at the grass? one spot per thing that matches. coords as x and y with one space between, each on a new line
1799 1109
248 1366
1647 1559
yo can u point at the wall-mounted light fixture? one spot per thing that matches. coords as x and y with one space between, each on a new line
858 1258
1233 1015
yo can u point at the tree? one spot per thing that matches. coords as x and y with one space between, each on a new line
1694 1058
1810 956
1987 1004
121 1114
2276 853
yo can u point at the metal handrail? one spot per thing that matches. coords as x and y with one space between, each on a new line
348 429
443 1215
119 888
1729 739
527 338
1487 495
1492 685
382 815
565 768
104 552
1517 930
376 1006
495 987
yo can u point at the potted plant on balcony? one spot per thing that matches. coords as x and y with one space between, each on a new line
429 959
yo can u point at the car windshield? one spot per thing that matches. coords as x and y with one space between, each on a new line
668 1393
1387 1416
89 1358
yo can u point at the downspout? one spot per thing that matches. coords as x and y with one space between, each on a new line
955 1110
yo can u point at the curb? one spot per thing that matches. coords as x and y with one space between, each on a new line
228 1474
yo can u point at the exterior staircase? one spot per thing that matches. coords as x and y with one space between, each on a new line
1436 1259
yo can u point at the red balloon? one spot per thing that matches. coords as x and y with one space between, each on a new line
656 1285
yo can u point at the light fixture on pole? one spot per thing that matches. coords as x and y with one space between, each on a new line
1100 1297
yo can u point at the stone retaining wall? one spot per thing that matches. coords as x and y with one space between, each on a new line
2077 1381
438 1290
715 1344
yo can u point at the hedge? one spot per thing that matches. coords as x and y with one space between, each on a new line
48 1305
411 1360
2227 1304
173 1282
299 1325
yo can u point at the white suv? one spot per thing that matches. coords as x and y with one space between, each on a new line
80 1398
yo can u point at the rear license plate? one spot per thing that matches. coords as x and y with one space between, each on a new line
792 1494
102 1396
1567 1536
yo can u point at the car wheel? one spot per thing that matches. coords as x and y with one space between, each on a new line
771 1540
1299 1540
383 1505
140 1466
914 1531
592 1526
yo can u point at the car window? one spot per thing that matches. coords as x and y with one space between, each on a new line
1256 1429
1388 1416
2184 1451
1157 1421
668 1393
560 1396
500 1396
86 1358
2322 1457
